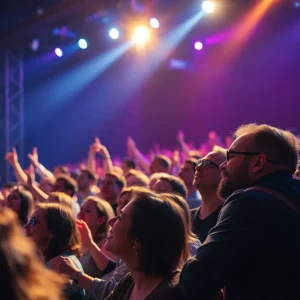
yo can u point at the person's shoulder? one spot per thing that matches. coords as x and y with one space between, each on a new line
242 194
169 290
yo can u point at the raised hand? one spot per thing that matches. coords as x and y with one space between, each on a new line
30 179
63 265
85 233
175 157
12 157
180 136
33 157
130 143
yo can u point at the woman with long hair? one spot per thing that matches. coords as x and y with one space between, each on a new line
53 229
150 235
23 276
94 214
21 202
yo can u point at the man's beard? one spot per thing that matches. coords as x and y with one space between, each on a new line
234 182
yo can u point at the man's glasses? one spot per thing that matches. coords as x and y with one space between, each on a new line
206 163
33 221
229 152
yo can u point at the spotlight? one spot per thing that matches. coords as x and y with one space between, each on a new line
58 52
198 46
114 33
82 43
35 44
141 35
297 4
208 6
154 23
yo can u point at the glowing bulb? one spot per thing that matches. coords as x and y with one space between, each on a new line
58 52
114 33
141 35
154 23
82 43
208 6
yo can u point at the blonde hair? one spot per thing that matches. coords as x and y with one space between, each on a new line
61 198
23 275
279 146
141 178
104 209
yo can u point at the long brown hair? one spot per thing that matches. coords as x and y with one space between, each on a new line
26 206
23 276
159 225
104 209
192 238
61 222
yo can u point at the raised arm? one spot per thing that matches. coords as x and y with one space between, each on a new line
12 159
141 159
40 169
86 238
185 147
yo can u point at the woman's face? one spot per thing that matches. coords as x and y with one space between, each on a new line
37 229
14 201
89 214
118 241
123 201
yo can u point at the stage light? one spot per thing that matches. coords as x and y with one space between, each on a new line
82 43
58 52
141 35
297 4
35 44
114 33
198 46
154 23
208 6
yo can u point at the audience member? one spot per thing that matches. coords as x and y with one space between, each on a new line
243 252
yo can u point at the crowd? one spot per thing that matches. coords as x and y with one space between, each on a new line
217 222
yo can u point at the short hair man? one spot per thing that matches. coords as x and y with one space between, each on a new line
254 248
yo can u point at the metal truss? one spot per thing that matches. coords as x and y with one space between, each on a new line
14 106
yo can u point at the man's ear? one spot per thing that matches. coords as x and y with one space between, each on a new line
260 162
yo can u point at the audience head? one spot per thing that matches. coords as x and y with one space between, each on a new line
53 229
153 178
65 184
127 165
170 184
257 150
208 174
22 274
7 188
111 186
61 170
47 184
150 235
137 178
62 198
187 171
160 164
127 195
86 179
21 202
96 212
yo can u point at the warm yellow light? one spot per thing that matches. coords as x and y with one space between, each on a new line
141 35
208 6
